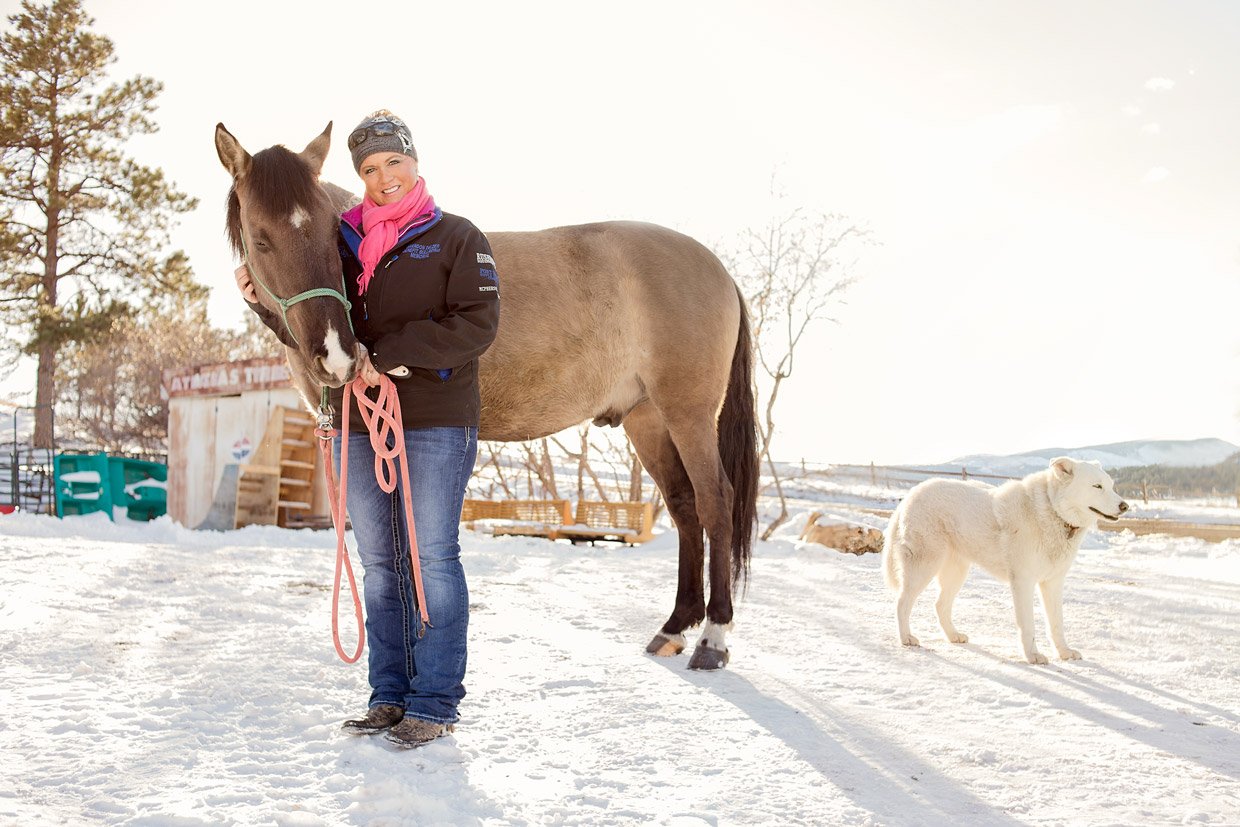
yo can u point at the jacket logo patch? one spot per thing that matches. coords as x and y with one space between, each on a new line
421 251
483 258
488 287
489 275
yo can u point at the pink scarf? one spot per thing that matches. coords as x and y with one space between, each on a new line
383 225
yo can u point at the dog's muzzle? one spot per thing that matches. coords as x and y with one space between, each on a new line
1122 508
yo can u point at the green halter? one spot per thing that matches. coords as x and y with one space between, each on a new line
285 304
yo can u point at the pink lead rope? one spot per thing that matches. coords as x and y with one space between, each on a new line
383 420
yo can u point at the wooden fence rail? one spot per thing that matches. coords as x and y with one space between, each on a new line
1145 490
876 471
1212 532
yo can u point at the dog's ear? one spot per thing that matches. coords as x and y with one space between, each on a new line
1063 467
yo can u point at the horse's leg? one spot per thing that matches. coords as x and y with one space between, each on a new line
659 457
696 439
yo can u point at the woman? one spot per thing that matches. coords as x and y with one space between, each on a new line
426 305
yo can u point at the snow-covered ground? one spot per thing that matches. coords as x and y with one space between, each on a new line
151 675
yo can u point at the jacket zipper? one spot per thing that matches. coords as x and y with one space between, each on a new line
365 297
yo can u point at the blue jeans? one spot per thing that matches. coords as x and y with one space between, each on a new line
422 674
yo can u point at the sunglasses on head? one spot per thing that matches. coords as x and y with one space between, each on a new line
381 129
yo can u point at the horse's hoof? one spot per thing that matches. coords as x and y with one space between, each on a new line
706 658
666 645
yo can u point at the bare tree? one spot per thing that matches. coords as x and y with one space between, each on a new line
584 468
538 464
495 475
793 271
603 463
109 386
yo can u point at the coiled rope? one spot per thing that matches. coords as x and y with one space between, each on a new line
383 421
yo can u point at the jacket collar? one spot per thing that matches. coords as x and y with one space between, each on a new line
351 228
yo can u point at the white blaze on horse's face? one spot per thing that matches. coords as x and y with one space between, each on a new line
294 250
337 362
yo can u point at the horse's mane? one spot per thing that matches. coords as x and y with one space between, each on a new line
280 181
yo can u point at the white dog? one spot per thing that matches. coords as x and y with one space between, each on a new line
1024 532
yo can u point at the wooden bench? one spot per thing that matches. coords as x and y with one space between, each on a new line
528 518
626 522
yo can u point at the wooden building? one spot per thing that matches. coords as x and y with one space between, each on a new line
240 448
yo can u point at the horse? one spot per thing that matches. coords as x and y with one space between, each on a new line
622 323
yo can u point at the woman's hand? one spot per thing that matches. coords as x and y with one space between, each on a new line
245 284
367 371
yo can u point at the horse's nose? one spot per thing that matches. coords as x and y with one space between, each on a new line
1123 506
332 358
332 367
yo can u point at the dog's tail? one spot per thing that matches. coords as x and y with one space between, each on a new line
810 523
891 568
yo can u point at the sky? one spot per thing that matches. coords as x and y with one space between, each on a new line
1051 187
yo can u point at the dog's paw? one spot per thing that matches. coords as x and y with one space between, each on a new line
959 637
1069 654
1036 657
909 640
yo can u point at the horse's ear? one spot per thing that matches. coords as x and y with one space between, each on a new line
232 155
315 152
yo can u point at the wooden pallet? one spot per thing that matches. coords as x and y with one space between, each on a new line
277 486
534 518
258 489
623 522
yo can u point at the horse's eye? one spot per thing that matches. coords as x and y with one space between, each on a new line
262 246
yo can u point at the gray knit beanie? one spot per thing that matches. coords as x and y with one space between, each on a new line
380 132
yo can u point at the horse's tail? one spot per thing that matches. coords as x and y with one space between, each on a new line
738 447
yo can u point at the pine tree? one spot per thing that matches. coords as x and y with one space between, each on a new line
83 227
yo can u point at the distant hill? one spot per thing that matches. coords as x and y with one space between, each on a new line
1180 453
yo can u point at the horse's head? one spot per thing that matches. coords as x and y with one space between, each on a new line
281 220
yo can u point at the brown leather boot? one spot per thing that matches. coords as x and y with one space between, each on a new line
414 732
378 718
